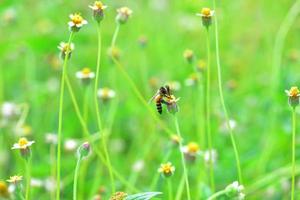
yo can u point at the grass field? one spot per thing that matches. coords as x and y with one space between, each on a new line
253 46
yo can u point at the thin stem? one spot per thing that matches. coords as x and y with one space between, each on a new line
209 137
98 116
217 194
28 178
114 39
180 188
88 135
293 152
60 119
170 189
182 160
76 177
236 153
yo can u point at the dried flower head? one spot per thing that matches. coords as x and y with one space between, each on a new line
85 75
66 50
106 93
188 55
191 150
15 179
76 22
118 196
4 193
293 95
166 169
235 190
98 10
123 14
206 14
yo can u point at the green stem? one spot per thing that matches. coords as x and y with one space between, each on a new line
208 125
28 178
280 38
217 194
236 153
170 189
180 188
76 177
99 123
114 39
60 119
183 160
293 152
88 135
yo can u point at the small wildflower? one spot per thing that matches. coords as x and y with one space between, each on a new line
201 65
4 193
166 169
114 53
76 22
37 183
98 10
188 55
24 146
84 150
293 95
123 14
106 94
118 196
15 179
191 150
175 139
191 80
138 166
210 155
70 145
51 138
206 14
172 104
66 50
143 41
9 110
85 75
235 190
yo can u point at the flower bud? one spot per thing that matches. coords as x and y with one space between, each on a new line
65 50
293 96
123 14
166 169
206 14
84 150
98 10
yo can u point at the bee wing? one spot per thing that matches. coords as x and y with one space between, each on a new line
152 98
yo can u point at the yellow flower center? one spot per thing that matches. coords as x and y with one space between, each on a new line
23 142
193 147
206 12
105 92
77 19
294 91
99 5
166 168
86 71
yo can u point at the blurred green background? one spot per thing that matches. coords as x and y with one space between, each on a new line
30 72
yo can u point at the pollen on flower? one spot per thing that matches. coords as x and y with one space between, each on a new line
166 169
193 147
106 93
293 92
76 22
206 12
85 75
98 5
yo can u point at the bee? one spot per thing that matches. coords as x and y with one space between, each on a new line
163 92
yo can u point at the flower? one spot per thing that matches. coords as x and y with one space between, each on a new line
191 150
51 138
188 54
76 22
206 14
22 144
172 104
175 139
235 190
9 110
174 85
70 144
106 93
210 154
3 190
98 7
85 75
66 49
293 95
191 80
84 150
114 53
201 65
123 14
15 179
138 166
166 169
118 196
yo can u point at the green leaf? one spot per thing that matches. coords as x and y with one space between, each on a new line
142 196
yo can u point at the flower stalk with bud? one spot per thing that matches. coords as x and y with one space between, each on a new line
293 99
